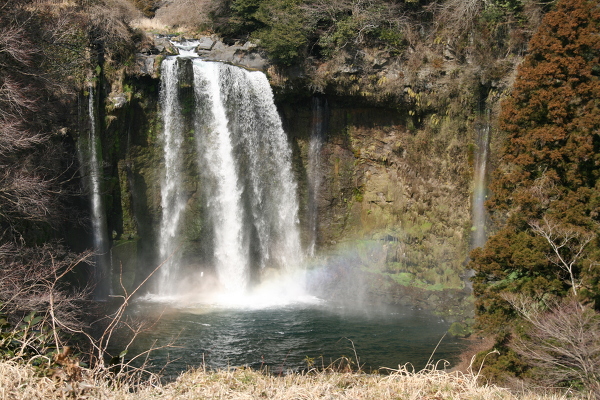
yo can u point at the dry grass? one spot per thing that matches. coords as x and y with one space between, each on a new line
190 15
476 346
57 4
18 382
150 25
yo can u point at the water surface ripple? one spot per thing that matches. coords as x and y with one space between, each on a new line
282 338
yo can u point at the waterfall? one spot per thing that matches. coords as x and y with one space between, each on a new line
274 206
317 136
216 148
479 214
172 199
102 273
244 167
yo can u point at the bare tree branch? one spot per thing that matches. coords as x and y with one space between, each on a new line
563 340
567 242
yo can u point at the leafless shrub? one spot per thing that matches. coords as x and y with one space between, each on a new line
15 44
458 16
111 19
324 9
544 191
567 242
534 12
32 279
15 137
367 16
116 326
28 188
115 320
24 196
562 341
468 356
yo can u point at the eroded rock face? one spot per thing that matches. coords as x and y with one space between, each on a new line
206 43
147 65
243 55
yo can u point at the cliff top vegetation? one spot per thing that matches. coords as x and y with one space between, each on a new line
343 46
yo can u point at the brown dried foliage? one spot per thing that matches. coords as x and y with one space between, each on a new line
31 279
545 191
562 341
26 188
552 116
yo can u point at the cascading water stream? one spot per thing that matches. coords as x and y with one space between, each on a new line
216 148
319 108
172 199
244 169
479 215
274 206
102 271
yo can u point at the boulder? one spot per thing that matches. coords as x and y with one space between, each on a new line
164 46
146 64
243 55
205 43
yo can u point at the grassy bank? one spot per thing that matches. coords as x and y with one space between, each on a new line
18 381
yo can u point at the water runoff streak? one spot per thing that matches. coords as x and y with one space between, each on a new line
479 215
93 171
244 173
317 136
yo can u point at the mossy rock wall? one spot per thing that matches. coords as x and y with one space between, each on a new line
381 181
130 165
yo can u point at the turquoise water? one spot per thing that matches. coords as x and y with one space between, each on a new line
284 338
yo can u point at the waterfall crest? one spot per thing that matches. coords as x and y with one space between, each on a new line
244 173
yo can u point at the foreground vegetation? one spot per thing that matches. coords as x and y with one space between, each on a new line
19 381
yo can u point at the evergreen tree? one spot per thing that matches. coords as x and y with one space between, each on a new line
546 193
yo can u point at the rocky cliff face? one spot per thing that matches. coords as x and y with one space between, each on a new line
393 204
395 171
